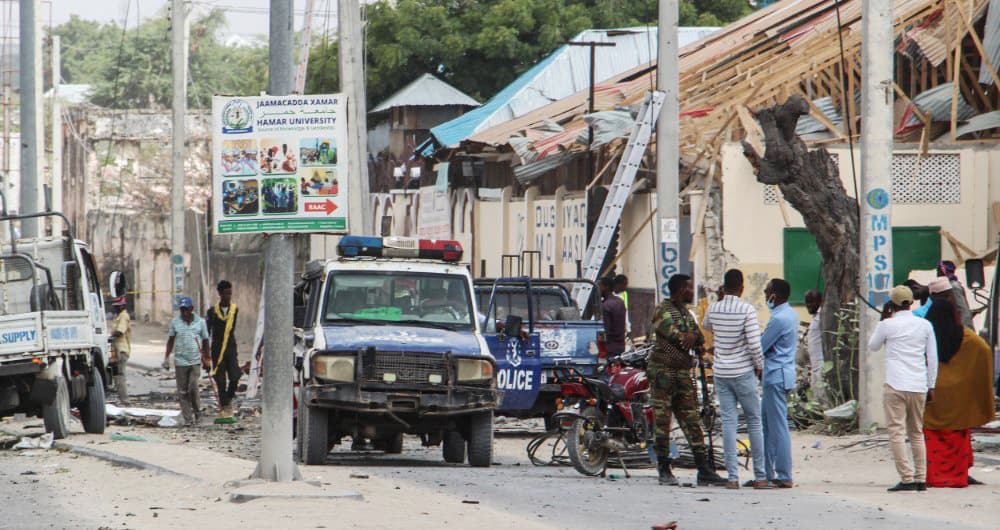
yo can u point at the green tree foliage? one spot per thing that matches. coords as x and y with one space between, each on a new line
480 46
131 68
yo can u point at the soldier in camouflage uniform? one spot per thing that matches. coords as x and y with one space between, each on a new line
669 371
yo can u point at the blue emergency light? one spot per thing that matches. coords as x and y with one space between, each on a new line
399 247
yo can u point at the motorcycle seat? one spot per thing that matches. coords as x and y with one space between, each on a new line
602 388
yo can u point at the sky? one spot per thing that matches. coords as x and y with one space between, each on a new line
245 17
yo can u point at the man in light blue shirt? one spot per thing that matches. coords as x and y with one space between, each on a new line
188 341
779 342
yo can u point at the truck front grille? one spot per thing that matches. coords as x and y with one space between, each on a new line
408 367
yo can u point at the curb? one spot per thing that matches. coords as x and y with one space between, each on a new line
121 461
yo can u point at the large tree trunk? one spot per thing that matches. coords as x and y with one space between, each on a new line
810 182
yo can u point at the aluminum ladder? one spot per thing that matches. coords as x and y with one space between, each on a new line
621 189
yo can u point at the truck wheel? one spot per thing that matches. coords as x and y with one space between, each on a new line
453 447
315 435
394 444
481 439
56 414
586 453
92 410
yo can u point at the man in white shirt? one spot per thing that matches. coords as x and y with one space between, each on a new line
911 365
814 342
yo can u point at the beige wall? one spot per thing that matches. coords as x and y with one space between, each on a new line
753 229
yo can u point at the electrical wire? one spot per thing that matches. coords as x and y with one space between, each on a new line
111 135
847 111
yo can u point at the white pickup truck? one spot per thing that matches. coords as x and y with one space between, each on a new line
53 331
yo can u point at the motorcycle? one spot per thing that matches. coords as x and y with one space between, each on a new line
605 416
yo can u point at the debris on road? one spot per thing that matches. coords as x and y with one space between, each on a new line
37 442
359 475
119 437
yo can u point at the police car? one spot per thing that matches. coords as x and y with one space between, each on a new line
388 342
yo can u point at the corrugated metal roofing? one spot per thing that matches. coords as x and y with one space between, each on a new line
808 125
982 122
936 103
564 72
426 91
72 94
991 42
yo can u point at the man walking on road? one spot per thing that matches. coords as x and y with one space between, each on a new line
188 341
677 334
221 320
737 367
779 342
911 366
613 309
121 347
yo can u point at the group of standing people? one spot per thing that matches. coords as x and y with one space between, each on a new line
743 358
938 382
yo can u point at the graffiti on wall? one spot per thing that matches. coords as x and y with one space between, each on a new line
878 275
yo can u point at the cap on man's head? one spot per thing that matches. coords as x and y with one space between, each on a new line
186 302
900 295
939 285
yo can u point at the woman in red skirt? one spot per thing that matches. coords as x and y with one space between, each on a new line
963 397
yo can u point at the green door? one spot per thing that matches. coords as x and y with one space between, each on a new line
913 248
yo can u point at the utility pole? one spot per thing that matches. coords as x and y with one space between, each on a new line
57 137
276 462
179 36
32 120
300 73
876 204
667 150
352 85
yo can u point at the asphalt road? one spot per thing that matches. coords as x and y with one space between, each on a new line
566 499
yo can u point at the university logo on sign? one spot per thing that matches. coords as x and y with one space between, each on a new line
237 117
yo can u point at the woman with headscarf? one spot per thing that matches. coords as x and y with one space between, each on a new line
946 269
962 399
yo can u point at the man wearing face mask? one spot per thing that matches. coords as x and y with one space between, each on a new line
779 342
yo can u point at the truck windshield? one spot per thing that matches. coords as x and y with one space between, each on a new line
549 303
381 297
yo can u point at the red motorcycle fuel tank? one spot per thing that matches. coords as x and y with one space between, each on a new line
632 380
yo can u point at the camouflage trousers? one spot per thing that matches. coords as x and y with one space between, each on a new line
674 393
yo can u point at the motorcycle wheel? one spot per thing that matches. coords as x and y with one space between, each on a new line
587 457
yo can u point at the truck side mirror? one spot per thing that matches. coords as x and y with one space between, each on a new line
512 326
975 277
117 285
299 316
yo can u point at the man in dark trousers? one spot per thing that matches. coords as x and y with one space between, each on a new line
613 309
221 320
677 336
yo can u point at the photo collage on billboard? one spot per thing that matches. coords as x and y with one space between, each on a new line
271 177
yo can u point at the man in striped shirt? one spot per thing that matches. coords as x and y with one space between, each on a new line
737 367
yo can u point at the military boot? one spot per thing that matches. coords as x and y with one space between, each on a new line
667 477
706 472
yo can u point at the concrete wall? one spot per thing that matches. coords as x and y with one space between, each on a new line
753 228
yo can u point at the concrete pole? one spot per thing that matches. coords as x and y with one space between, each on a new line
876 205
32 119
352 85
179 36
667 151
276 462
57 137
304 46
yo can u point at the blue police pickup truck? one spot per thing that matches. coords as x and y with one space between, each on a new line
388 343
554 333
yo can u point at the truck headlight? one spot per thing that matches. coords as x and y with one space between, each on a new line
474 370
333 368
